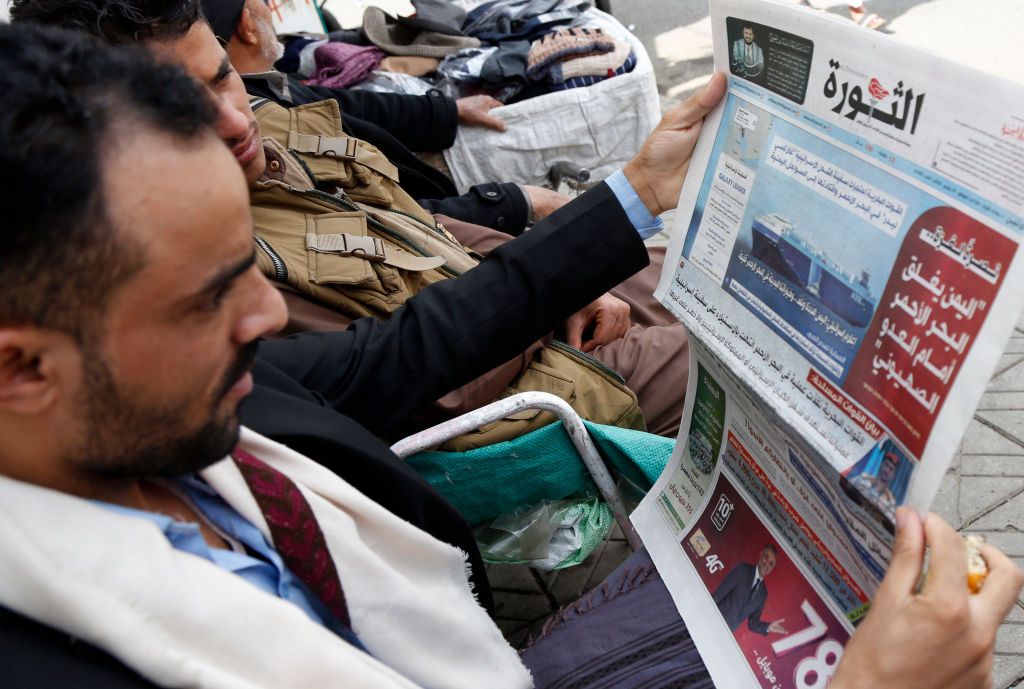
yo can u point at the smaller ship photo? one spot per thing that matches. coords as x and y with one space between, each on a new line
777 244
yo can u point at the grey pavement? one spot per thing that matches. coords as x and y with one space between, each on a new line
983 491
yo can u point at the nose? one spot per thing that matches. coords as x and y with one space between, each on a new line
232 125
264 311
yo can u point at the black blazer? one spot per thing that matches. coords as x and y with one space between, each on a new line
738 600
326 394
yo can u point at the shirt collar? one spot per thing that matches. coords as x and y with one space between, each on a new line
182 535
277 81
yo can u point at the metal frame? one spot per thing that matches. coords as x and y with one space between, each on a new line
436 435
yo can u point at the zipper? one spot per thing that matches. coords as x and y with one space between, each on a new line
280 269
336 200
427 225
565 347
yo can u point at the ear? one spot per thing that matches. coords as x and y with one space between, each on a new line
246 30
34 367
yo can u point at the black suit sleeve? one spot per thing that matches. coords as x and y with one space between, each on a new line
33 655
422 123
455 330
498 206
727 585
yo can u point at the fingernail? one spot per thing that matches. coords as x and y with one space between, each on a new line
901 518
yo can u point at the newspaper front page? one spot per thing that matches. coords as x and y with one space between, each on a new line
845 256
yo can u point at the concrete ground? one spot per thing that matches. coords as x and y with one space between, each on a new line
984 488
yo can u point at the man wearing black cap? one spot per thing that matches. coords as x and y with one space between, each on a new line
397 124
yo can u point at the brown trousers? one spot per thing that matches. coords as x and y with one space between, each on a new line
653 356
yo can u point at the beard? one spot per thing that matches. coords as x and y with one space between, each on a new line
271 48
124 438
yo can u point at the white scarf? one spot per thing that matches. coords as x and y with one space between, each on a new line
179 620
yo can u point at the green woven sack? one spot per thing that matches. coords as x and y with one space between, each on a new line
542 465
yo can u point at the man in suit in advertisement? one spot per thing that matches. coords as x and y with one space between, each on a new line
742 594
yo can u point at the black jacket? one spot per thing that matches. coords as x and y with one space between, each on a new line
399 124
325 394
739 600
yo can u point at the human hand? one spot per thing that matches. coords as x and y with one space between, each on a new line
610 317
776 627
475 111
658 170
544 201
941 637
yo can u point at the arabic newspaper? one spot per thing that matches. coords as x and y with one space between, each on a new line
845 256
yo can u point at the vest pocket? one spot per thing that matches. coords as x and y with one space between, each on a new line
339 251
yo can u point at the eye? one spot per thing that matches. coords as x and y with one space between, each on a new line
215 301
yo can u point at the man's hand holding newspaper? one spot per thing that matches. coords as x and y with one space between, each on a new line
940 637
658 170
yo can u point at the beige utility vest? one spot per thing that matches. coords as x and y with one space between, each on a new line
336 227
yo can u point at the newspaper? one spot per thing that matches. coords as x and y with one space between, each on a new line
845 257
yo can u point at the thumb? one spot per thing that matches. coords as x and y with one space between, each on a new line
492 122
574 327
602 332
907 559
696 107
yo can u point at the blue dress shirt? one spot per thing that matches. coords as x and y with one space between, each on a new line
261 565
645 223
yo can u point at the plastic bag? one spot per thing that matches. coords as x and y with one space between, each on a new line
553 534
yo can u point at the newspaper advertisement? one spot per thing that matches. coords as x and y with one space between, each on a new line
845 257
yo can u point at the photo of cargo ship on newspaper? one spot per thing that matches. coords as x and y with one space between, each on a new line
779 245
803 236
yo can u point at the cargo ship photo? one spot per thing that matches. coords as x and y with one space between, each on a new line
776 243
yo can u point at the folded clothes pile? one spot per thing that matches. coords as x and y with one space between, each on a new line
581 80
521 20
572 53
339 65
408 36
509 49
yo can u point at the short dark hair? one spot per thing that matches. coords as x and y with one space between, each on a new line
115 21
771 547
66 96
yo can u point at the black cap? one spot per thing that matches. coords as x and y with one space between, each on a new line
223 16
